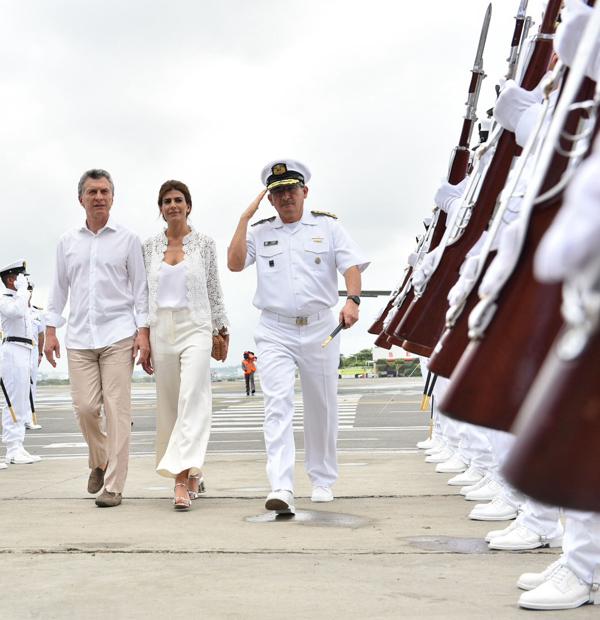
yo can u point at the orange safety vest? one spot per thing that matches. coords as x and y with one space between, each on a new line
249 367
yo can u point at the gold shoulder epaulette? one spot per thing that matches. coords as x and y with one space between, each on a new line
335 217
267 219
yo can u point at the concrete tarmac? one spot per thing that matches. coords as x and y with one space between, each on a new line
395 543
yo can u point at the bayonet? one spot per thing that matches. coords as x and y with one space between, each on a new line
477 70
517 40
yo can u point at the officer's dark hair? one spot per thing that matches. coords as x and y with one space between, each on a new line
167 186
94 173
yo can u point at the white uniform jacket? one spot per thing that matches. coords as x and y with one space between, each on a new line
297 264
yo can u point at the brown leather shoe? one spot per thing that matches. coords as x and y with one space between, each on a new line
106 499
96 480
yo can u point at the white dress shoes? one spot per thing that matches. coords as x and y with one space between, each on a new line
454 465
3 466
428 443
440 457
469 477
521 539
484 493
35 457
529 581
18 458
471 487
495 533
281 501
321 494
562 590
32 427
496 510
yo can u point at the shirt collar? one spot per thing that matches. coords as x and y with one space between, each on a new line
110 225
185 240
307 218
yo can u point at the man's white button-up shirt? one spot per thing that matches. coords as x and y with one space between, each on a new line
297 264
105 277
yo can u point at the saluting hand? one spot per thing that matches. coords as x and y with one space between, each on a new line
253 208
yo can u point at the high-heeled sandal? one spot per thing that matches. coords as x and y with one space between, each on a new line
201 486
181 503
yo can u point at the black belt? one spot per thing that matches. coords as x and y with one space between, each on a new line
19 339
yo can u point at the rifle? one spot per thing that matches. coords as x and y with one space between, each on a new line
457 170
512 331
555 456
424 322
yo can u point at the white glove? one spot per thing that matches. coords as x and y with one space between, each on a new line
572 239
21 285
425 269
412 259
574 18
513 102
468 275
501 267
448 192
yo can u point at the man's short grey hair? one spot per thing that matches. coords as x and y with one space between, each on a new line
94 173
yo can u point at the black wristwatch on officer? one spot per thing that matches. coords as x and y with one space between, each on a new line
355 299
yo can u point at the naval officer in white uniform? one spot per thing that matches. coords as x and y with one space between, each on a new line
298 254
17 344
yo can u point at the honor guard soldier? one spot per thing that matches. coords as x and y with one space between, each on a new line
298 254
17 344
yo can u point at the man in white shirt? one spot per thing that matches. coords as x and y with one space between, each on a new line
298 255
100 267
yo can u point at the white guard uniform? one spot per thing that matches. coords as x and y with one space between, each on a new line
297 285
16 364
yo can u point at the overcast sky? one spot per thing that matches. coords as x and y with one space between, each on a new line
369 95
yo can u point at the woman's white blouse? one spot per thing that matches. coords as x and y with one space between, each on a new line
172 289
203 288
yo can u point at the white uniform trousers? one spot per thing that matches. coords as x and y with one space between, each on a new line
281 346
581 544
181 352
501 443
15 374
540 518
33 382
474 447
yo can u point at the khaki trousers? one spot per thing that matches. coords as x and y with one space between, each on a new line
103 377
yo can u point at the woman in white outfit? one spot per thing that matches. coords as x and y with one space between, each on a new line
187 319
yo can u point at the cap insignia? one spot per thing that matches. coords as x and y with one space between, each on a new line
279 169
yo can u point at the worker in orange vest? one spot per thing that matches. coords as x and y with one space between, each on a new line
249 368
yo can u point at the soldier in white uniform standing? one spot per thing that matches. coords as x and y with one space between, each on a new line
17 344
298 254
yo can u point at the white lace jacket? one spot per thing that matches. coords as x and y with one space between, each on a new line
202 277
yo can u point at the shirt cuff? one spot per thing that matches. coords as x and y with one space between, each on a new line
54 320
141 320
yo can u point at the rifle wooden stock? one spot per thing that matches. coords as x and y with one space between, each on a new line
555 457
423 323
455 339
383 341
493 376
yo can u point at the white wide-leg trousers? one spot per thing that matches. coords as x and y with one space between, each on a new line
281 347
181 351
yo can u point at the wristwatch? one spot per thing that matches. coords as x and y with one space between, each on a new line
355 299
